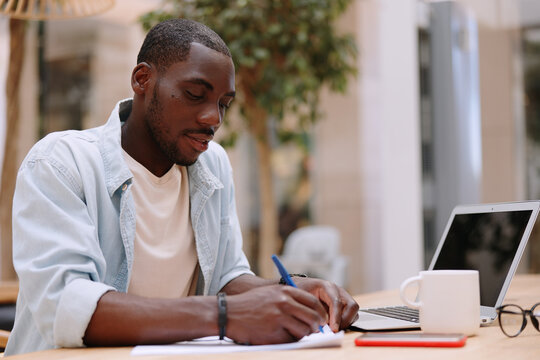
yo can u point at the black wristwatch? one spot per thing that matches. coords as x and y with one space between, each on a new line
222 314
283 282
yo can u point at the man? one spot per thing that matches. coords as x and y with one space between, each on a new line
116 227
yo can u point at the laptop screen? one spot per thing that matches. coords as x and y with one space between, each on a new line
486 242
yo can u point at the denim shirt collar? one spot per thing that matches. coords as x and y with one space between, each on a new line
116 171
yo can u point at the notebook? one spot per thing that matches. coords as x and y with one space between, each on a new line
489 238
212 345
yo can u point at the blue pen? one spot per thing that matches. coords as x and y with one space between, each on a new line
285 275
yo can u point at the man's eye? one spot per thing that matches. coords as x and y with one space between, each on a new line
193 95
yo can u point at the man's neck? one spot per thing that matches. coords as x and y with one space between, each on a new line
138 143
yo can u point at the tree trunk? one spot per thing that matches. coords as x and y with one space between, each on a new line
9 167
268 243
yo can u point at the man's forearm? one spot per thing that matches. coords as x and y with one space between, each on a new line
245 283
123 319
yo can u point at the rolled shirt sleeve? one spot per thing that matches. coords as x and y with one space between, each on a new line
75 309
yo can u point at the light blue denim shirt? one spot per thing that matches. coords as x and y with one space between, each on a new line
74 225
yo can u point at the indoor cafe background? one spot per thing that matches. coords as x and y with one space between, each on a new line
444 110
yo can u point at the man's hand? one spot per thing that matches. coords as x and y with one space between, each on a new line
342 309
273 314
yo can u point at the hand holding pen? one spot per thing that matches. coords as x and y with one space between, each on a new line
342 309
289 281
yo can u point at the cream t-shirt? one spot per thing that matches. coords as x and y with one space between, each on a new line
165 257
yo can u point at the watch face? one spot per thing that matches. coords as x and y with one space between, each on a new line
282 281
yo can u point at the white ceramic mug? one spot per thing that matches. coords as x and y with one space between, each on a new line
449 301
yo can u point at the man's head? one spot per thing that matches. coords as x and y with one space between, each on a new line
183 83
169 42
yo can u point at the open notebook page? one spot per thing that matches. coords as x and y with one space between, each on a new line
212 345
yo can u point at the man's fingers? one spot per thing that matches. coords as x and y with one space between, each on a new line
296 328
340 306
330 295
350 310
273 314
306 307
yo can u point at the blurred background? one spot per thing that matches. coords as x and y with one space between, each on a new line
440 107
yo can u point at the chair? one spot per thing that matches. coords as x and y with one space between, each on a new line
314 250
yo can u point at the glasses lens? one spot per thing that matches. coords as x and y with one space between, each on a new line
511 320
535 316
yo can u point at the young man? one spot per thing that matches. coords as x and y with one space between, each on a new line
116 228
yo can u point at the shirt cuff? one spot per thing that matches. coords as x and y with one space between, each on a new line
75 309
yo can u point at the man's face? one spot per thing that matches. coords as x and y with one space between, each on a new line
188 103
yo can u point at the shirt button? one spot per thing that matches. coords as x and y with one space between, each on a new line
124 187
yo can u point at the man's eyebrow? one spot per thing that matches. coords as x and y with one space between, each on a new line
207 85
203 82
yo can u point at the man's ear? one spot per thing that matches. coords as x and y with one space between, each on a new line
140 78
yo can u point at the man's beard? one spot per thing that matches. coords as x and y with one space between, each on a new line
159 132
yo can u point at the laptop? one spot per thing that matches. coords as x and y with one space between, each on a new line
489 238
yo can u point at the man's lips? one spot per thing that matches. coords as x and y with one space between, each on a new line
201 138
201 134
199 141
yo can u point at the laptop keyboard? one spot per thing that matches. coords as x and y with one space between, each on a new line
396 312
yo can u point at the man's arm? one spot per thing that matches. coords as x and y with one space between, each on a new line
125 319
342 309
263 315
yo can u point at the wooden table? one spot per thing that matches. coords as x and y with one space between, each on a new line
490 343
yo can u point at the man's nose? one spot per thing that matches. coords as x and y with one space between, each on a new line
210 116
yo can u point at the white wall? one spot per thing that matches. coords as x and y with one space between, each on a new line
501 91
391 136
367 161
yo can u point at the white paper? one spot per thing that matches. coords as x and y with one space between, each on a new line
212 345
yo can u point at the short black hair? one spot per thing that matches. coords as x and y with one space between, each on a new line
169 42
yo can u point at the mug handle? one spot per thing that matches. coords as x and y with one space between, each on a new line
404 285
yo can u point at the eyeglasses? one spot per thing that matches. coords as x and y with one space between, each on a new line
513 319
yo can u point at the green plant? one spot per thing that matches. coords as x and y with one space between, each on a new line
284 52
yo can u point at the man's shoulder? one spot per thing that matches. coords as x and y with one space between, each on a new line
62 143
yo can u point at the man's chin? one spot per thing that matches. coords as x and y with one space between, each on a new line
186 162
187 157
